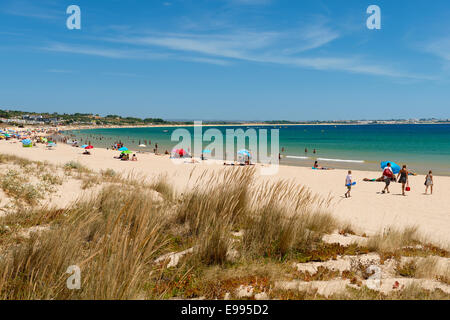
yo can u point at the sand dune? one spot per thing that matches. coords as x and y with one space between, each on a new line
367 210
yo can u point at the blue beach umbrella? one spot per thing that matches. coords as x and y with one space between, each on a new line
84 146
123 149
244 152
395 167
206 151
26 141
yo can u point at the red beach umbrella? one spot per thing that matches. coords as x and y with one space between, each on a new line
89 147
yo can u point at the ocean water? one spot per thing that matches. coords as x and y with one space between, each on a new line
421 147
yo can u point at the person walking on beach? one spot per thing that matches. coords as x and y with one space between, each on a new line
403 178
388 174
348 184
429 182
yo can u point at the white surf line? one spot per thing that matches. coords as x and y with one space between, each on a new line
326 159
341 160
295 157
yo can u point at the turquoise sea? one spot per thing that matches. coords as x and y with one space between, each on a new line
421 147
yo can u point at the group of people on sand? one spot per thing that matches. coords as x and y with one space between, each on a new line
126 157
317 167
117 146
388 176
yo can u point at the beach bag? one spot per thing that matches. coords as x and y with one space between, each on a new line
408 188
387 173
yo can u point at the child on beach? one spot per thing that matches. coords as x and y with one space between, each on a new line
429 182
348 184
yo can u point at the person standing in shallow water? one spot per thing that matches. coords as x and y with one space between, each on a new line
403 178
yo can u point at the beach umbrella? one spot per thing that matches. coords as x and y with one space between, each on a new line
180 152
27 143
84 146
127 152
123 149
244 152
142 145
89 147
206 151
395 167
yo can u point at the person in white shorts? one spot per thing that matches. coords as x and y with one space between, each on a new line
348 184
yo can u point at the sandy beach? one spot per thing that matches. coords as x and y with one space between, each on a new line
368 211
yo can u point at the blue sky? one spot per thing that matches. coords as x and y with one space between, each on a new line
227 59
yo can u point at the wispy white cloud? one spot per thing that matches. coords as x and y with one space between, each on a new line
313 37
267 47
225 48
105 52
224 45
440 48
89 50
218 62
23 8
235 44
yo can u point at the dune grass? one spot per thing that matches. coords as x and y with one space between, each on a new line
16 185
234 232
393 239
7 158
113 238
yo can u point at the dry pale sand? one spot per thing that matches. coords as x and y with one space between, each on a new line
367 210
